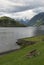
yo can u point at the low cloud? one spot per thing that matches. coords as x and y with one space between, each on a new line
38 10
10 7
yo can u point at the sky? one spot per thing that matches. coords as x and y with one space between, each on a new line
21 8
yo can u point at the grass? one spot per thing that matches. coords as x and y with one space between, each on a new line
37 38
19 57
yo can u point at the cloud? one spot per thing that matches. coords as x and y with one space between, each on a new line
38 10
25 14
19 5
16 7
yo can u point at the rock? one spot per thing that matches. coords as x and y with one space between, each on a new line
42 39
33 53
23 42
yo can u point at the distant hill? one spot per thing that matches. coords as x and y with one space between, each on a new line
23 21
9 22
37 20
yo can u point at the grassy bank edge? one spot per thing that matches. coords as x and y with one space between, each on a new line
19 57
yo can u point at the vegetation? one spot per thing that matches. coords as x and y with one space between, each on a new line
9 22
19 57
37 20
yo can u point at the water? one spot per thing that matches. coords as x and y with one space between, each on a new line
9 36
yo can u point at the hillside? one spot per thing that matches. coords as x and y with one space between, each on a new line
9 22
23 21
37 20
20 57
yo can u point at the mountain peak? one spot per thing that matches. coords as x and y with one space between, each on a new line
34 21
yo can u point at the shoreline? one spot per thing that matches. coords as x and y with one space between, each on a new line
25 42
25 54
7 52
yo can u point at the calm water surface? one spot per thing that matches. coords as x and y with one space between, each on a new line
9 36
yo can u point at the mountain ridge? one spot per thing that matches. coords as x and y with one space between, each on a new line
9 22
37 20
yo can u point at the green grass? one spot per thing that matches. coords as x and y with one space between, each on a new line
19 57
37 38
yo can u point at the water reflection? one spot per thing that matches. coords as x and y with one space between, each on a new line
9 36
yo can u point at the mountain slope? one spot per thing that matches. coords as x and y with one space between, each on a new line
23 21
37 20
9 22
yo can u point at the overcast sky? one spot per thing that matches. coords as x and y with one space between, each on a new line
21 8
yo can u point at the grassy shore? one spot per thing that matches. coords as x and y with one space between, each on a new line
19 57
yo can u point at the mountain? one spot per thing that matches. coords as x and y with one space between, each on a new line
9 22
23 21
37 20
